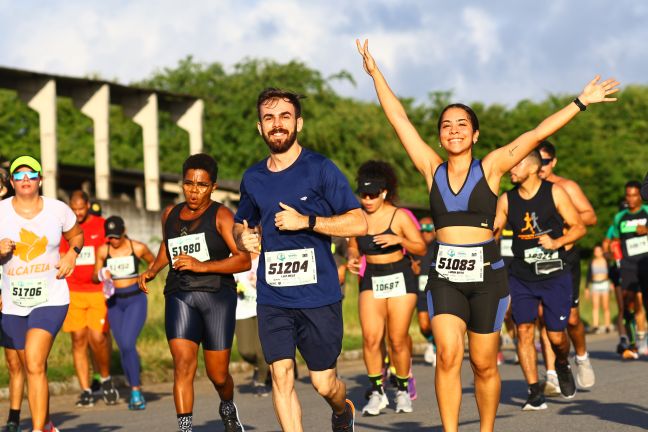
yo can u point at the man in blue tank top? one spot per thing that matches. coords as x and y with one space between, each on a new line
291 204
536 210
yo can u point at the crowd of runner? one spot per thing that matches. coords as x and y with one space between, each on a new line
270 273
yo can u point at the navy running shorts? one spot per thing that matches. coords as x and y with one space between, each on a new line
481 305
572 259
205 317
316 332
15 327
554 294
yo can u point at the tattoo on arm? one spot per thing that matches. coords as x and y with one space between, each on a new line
512 150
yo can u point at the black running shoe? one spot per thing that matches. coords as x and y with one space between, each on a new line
229 414
95 386
566 380
86 400
11 427
345 422
535 402
109 392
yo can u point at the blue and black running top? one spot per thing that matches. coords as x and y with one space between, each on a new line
474 205
312 185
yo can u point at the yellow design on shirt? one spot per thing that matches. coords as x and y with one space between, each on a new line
30 245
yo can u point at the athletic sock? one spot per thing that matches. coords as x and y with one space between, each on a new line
96 376
376 383
185 422
103 380
14 416
552 372
582 358
534 388
630 326
401 383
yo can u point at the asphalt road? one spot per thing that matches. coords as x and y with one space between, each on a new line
618 402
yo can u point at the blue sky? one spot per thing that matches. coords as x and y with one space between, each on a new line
491 51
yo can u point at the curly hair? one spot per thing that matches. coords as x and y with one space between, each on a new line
381 171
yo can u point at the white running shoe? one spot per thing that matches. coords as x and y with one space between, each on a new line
403 402
552 387
430 354
643 346
585 377
377 402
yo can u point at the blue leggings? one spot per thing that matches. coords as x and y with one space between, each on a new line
127 314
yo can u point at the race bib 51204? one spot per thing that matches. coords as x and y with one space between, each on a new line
290 267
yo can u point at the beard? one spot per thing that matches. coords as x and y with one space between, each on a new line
278 146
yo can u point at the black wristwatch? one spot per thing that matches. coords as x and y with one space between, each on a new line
311 222
580 104
77 249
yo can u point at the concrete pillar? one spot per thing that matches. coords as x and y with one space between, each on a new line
95 103
190 118
40 95
144 112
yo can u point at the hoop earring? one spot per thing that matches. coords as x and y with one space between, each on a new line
384 195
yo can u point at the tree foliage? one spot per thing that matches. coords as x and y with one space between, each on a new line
601 149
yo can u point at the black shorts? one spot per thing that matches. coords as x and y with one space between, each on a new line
202 316
421 301
403 266
634 275
572 258
481 305
316 332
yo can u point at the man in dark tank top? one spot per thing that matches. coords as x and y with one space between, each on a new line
536 212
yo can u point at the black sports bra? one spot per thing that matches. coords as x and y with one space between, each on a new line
474 205
123 267
367 246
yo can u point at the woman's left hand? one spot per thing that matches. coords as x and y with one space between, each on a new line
66 266
386 240
596 91
187 262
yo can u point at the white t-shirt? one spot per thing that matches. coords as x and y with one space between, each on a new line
29 275
246 306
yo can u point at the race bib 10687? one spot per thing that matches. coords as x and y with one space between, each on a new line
388 286
290 267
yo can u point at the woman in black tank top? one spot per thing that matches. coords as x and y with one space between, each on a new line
200 301
468 293
388 287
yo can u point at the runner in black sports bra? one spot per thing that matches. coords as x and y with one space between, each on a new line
467 287
388 288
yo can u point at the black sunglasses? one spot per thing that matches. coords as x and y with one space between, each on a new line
546 161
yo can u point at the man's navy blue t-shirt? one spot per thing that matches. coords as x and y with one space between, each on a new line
312 185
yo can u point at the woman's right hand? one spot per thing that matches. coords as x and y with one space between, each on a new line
6 246
353 264
147 276
368 61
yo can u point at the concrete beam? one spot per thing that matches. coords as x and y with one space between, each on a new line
190 118
40 95
144 112
94 102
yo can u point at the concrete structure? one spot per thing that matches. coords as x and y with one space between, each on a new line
93 98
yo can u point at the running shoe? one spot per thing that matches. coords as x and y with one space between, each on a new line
411 387
11 427
566 380
585 377
403 402
551 385
86 400
629 354
345 422
516 359
643 346
377 402
261 390
109 392
535 402
229 415
49 427
429 356
137 401
622 346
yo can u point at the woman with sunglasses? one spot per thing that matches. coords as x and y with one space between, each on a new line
467 285
200 291
117 266
35 295
388 288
